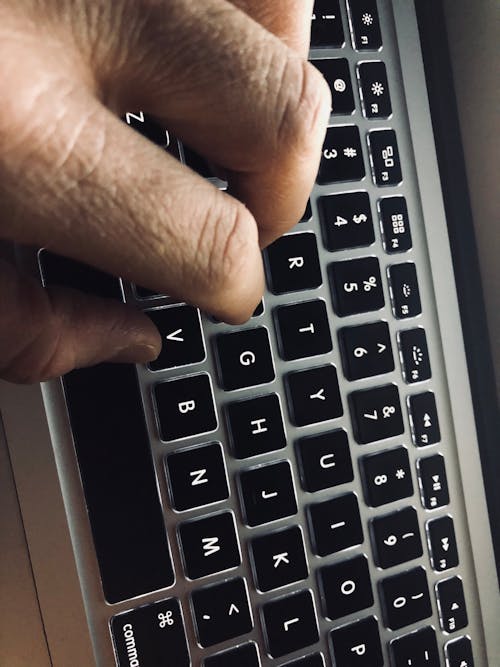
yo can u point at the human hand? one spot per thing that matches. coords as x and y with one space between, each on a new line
76 180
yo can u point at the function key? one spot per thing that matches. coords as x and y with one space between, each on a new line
290 623
424 419
396 538
152 634
308 214
433 482
303 330
315 660
243 656
405 599
185 407
314 395
152 130
209 545
256 426
442 543
336 73
356 286
326 26
366 350
375 89
335 525
385 157
346 220
181 334
245 358
415 355
197 477
279 558
221 612
293 263
376 413
357 644
346 587
365 25
342 157
324 460
386 476
459 653
451 604
395 224
268 493
404 290
418 648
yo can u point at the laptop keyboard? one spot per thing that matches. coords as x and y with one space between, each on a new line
298 457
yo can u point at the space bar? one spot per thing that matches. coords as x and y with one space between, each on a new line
119 482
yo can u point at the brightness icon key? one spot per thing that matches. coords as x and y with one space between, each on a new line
415 357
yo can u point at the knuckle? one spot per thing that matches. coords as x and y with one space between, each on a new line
305 108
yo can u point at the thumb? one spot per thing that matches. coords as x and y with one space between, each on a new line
45 333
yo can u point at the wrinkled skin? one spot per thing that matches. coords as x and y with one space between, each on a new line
229 78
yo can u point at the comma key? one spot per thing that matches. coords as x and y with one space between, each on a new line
151 635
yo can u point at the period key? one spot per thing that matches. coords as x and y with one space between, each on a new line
151 635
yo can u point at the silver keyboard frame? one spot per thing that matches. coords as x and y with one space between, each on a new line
71 575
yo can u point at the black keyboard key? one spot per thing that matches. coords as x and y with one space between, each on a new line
442 543
338 77
221 612
451 604
290 623
197 477
365 25
424 419
405 598
114 458
185 407
268 493
386 476
433 482
459 653
279 558
357 644
59 270
209 545
144 293
243 656
151 635
346 220
315 660
404 290
182 338
293 263
245 358
308 214
326 26
335 525
376 413
303 330
256 426
324 460
366 350
415 355
375 89
197 162
395 224
356 286
418 649
385 160
342 156
346 587
396 538
153 130
314 395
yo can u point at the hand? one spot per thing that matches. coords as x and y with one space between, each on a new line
76 180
